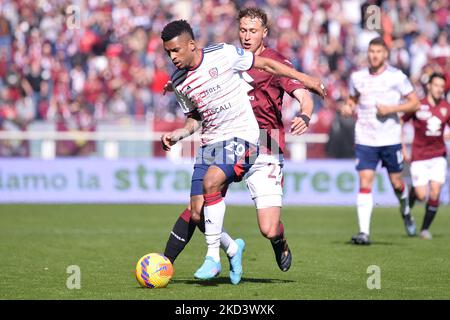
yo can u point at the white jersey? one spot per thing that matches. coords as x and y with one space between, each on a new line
386 88
216 90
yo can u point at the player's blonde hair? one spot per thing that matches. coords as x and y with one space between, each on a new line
254 12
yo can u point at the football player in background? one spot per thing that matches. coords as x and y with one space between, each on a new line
428 159
376 93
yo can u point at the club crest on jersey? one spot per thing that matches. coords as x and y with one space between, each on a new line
213 72
433 127
443 111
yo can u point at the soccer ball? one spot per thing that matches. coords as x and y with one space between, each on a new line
154 270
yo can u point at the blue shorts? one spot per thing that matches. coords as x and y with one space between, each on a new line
234 157
391 157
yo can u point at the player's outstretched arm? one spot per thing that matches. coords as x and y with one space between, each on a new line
411 105
191 125
279 69
300 123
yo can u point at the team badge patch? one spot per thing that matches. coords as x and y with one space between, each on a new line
213 72
443 111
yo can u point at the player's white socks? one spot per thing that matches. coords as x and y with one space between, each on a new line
364 205
214 212
228 244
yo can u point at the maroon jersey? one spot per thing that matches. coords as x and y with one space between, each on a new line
267 99
429 124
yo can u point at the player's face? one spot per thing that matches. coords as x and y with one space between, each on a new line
181 51
251 33
377 55
437 88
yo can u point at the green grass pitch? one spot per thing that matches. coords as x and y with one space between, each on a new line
39 242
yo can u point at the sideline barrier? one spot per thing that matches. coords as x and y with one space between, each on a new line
91 180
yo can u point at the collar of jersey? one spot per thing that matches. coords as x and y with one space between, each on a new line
377 74
199 64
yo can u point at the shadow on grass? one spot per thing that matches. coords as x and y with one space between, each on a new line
225 280
372 243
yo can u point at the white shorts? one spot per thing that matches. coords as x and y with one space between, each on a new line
264 180
424 171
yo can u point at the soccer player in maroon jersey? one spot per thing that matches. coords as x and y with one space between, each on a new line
428 160
266 99
264 180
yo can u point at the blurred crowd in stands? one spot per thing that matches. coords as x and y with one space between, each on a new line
80 62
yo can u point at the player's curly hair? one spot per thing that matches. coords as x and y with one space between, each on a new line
254 12
176 28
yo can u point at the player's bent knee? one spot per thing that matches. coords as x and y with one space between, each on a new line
269 231
396 181
196 217
433 196
213 184
421 197
196 211
214 180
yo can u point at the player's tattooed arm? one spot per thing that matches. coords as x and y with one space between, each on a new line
411 105
274 67
192 124
300 123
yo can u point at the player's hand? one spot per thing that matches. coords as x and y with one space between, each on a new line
405 154
346 110
315 85
298 126
447 136
383 110
168 87
167 141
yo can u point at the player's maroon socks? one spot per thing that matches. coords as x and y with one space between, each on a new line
180 235
281 229
182 232
281 249
430 212
399 191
